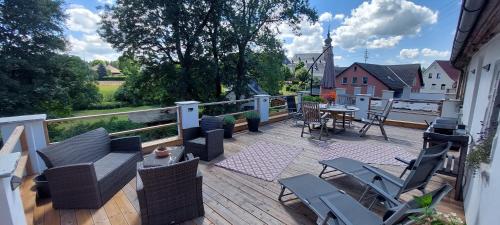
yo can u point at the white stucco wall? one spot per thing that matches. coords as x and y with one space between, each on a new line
434 69
482 194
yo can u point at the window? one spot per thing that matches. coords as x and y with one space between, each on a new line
430 75
365 80
355 68
433 86
438 76
443 86
354 80
344 80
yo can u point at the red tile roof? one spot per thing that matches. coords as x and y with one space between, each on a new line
449 69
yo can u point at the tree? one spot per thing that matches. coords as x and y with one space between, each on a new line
34 77
161 32
250 18
96 62
101 71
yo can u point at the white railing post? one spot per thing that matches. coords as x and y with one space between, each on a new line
11 205
300 95
363 103
35 136
261 104
187 115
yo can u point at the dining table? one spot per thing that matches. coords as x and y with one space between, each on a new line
334 110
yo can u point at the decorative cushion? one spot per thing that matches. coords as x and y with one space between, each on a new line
209 123
198 141
86 147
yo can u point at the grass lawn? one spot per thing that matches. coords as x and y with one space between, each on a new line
101 111
108 89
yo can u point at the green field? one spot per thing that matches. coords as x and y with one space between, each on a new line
108 89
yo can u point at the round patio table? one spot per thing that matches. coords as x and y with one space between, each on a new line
336 110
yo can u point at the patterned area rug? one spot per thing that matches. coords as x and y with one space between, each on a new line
367 152
262 160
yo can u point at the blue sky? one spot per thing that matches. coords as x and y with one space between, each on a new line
392 31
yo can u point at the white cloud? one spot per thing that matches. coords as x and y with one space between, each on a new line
382 24
325 17
384 42
109 2
309 40
414 53
411 53
339 17
337 57
88 44
81 19
435 53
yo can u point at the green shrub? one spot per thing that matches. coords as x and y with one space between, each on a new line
114 78
229 120
252 115
480 154
59 132
309 98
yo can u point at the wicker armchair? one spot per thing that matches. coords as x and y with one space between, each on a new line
85 171
206 141
170 194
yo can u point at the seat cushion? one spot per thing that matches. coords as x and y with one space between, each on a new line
110 162
83 148
208 123
114 171
198 141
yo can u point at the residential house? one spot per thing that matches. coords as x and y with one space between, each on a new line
476 52
113 71
373 78
440 77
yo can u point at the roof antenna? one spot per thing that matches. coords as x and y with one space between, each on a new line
366 54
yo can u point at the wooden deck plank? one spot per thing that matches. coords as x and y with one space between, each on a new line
234 198
84 217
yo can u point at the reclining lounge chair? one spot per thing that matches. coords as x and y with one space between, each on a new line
421 170
333 206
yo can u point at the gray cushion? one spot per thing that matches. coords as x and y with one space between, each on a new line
111 162
209 123
197 141
86 147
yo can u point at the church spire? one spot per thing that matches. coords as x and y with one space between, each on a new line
328 40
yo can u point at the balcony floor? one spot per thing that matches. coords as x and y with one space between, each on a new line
233 198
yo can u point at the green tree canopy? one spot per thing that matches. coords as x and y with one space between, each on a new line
34 78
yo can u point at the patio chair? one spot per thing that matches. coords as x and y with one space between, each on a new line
312 116
294 112
170 194
334 206
421 170
207 140
376 118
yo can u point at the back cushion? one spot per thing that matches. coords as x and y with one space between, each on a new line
86 147
209 123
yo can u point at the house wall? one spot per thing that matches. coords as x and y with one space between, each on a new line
359 73
434 69
482 200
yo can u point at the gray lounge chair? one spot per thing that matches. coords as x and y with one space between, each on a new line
294 112
207 140
429 161
376 118
334 206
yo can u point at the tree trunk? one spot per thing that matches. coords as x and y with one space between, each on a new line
240 71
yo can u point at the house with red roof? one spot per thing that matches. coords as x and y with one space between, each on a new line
440 77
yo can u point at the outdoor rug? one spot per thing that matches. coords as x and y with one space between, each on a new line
372 152
262 160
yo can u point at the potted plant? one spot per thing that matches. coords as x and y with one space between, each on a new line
253 121
228 126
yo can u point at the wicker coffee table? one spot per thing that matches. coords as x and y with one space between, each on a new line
151 160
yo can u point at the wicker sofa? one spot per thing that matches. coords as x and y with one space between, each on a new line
205 141
85 171
170 194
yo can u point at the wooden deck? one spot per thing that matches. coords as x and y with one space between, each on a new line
233 198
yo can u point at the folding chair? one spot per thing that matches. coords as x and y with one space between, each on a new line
376 118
